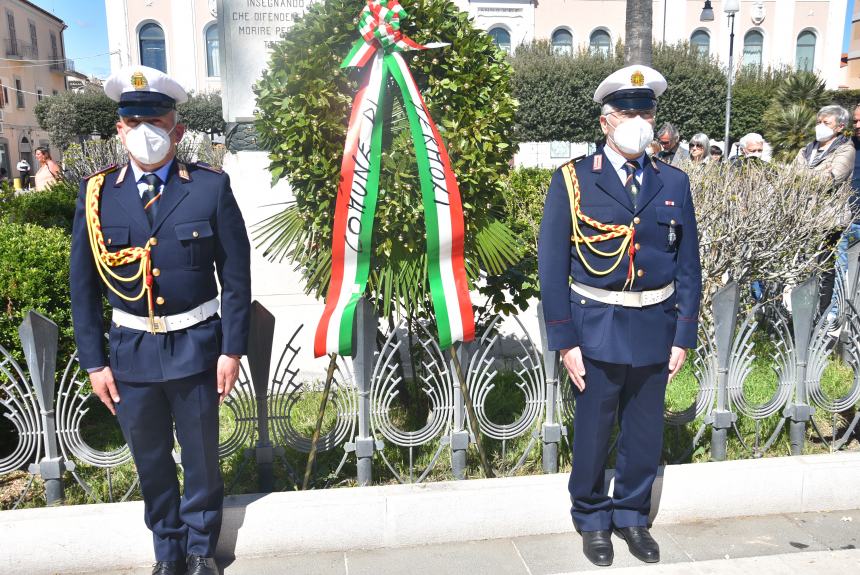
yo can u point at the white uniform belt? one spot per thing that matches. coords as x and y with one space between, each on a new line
167 323
625 298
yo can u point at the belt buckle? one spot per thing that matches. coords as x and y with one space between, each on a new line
632 299
157 325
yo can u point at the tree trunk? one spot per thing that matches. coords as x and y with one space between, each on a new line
637 42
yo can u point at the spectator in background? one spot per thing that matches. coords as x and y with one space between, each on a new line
670 142
4 176
751 147
831 153
716 153
48 172
23 168
699 147
653 148
852 232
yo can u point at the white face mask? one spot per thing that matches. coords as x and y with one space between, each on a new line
753 154
147 143
823 132
633 136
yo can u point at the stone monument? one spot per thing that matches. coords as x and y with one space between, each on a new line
247 28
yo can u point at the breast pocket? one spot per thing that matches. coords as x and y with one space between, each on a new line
198 242
670 229
116 237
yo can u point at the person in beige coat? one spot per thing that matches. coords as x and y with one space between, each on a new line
832 153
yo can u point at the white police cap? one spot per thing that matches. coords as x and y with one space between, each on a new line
144 92
631 88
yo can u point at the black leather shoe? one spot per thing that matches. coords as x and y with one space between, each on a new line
168 568
198 565
597 547
641 544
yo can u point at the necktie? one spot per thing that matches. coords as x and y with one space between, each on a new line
150 196
630 184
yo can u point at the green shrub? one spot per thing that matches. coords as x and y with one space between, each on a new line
53 207
34 274
304 100
848 99
752 93
525 192
789 123
555 92
202 113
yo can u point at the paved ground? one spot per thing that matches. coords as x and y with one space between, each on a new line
808 543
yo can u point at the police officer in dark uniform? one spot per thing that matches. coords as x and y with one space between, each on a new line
151 235
620 284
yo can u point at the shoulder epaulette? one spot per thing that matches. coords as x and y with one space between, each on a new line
573 160
210 167
105 170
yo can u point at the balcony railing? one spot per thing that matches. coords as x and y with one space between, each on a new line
18 49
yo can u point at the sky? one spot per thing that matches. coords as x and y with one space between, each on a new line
87 44
86 35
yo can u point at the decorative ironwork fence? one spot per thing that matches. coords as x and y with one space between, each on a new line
368 423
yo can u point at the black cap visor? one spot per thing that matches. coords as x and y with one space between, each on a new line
145 104
636 99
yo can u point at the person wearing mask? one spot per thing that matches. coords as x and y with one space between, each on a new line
48 172
750 148
671 151
620 280
153 234
831 153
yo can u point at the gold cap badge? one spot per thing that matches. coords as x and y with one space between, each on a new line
138 81
637 79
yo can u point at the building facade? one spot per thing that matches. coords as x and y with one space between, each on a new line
852 67
179 37
34 65
804 34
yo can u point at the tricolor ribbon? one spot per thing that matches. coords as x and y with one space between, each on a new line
358 190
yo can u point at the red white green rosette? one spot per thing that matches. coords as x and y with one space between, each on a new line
379 51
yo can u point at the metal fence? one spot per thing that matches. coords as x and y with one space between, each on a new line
368 438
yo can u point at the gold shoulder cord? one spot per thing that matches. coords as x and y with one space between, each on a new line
106 260
612 231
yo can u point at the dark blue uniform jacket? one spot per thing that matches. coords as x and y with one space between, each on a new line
666 253
200 231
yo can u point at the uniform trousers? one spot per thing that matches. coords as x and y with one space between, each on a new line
636 395
147 413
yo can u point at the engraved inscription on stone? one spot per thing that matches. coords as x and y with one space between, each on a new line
247 28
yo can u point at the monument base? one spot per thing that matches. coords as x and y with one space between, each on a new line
276 285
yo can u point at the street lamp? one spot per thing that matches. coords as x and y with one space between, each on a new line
730 7
707 12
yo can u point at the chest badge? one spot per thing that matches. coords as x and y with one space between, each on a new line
670 202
